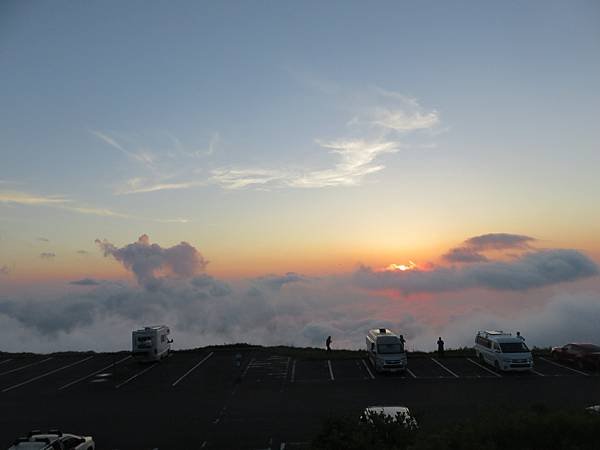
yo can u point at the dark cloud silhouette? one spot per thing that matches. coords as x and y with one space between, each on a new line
278 281
464 255
498 241
469 252
86 282
47 255
531 270
147 261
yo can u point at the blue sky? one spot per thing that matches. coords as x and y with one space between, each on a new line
303 137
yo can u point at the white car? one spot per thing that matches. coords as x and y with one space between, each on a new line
391 411
53 440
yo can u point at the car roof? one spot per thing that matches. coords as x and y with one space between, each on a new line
587 346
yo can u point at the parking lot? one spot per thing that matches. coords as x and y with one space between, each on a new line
269 400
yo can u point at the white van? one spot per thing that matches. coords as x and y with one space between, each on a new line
503 351
151 343
386 351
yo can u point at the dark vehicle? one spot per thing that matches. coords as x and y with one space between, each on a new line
583 355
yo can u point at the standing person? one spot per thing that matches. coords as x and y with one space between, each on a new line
519 336
328 343
402 341
440 344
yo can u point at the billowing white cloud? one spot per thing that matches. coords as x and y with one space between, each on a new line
147 261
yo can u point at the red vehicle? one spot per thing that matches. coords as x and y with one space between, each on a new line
583 355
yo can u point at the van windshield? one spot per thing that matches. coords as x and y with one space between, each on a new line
513 347
390 348
144 342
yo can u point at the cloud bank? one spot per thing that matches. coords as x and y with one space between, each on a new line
533 270
528 293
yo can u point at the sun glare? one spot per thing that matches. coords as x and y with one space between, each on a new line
401 267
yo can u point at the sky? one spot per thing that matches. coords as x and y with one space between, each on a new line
275 172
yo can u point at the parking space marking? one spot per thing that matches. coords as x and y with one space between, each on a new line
5 361
93 373
485 368
282 446
444 367
26 366
133 377
31 380
330 370
248 367
176 382
293 377
538 373
565 367
411 373
368 370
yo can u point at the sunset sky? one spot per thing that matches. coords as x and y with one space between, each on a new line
269 160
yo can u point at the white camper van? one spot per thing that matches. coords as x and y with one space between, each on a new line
503 351
386 351
151 343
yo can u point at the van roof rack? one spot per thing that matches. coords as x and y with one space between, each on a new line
493 333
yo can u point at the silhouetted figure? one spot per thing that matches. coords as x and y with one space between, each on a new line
328 343
440 344
519 336
402 341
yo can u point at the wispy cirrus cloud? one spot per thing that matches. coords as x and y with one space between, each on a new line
163 165
377 127
24 198
64 203
376 130
47 255
356 160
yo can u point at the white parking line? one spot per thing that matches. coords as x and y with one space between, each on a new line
565 367
247 367
444 367
485 368
538 373
293 377
31 380
176 382
330 370
282 446
26 366
368 370
411 373
93 373
133 377
5 361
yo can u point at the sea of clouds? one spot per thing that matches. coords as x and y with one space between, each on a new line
551 295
